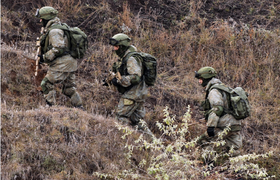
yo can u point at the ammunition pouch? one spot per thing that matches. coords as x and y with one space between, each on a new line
128 102
206 105
206 108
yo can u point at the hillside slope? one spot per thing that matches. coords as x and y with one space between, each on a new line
240 39
58 142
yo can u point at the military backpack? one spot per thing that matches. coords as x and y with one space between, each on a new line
77 39
150 66
239 105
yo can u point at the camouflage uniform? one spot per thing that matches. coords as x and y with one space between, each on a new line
130 108
62 66
233 138
129 82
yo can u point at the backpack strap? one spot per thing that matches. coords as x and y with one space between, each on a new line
222 88
136 55
66 30
122 89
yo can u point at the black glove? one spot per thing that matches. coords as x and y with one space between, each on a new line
104 83
210 131
115 81
41 61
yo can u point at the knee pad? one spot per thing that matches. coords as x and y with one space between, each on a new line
123 120
69 91
46 86
50 97
76 100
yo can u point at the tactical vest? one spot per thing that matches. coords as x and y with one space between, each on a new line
44 42
77 41
237 99
207 106
121 66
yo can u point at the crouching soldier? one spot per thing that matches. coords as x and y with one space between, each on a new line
215 106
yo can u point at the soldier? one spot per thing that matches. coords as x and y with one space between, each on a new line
55 53
215 107
129 82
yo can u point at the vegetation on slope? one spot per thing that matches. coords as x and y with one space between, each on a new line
239 39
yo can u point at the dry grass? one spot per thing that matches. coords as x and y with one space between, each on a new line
61 142
50 142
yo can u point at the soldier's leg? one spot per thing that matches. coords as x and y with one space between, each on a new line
139 114
203 139
130 112
48 91
209 150
124 110
234 141
69 89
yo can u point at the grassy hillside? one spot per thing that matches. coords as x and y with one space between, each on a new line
239 39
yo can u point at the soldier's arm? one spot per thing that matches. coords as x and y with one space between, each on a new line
217 104
134 73
57 41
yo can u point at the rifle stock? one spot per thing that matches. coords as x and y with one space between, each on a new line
36 57
38 52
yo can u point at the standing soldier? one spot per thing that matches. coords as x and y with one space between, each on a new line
215 106
55 53
129 82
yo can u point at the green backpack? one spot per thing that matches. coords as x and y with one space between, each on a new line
239 105
150 66
77 39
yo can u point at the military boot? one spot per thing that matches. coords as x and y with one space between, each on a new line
76 100
81 107
50 98
144 129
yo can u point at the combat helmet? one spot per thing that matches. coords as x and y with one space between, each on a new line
205 73
46 13
120 39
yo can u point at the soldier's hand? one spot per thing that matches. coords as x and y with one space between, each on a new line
115 81
41 61
210 131
104 83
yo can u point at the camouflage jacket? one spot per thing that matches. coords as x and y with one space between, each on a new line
132 78
54 45
218 98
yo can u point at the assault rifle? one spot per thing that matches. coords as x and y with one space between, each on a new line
108 80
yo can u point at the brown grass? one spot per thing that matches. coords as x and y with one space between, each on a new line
62 142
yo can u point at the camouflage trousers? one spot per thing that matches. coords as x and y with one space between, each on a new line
233 140
130 112
67 79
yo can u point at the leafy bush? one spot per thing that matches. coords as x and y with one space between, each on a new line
179 159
